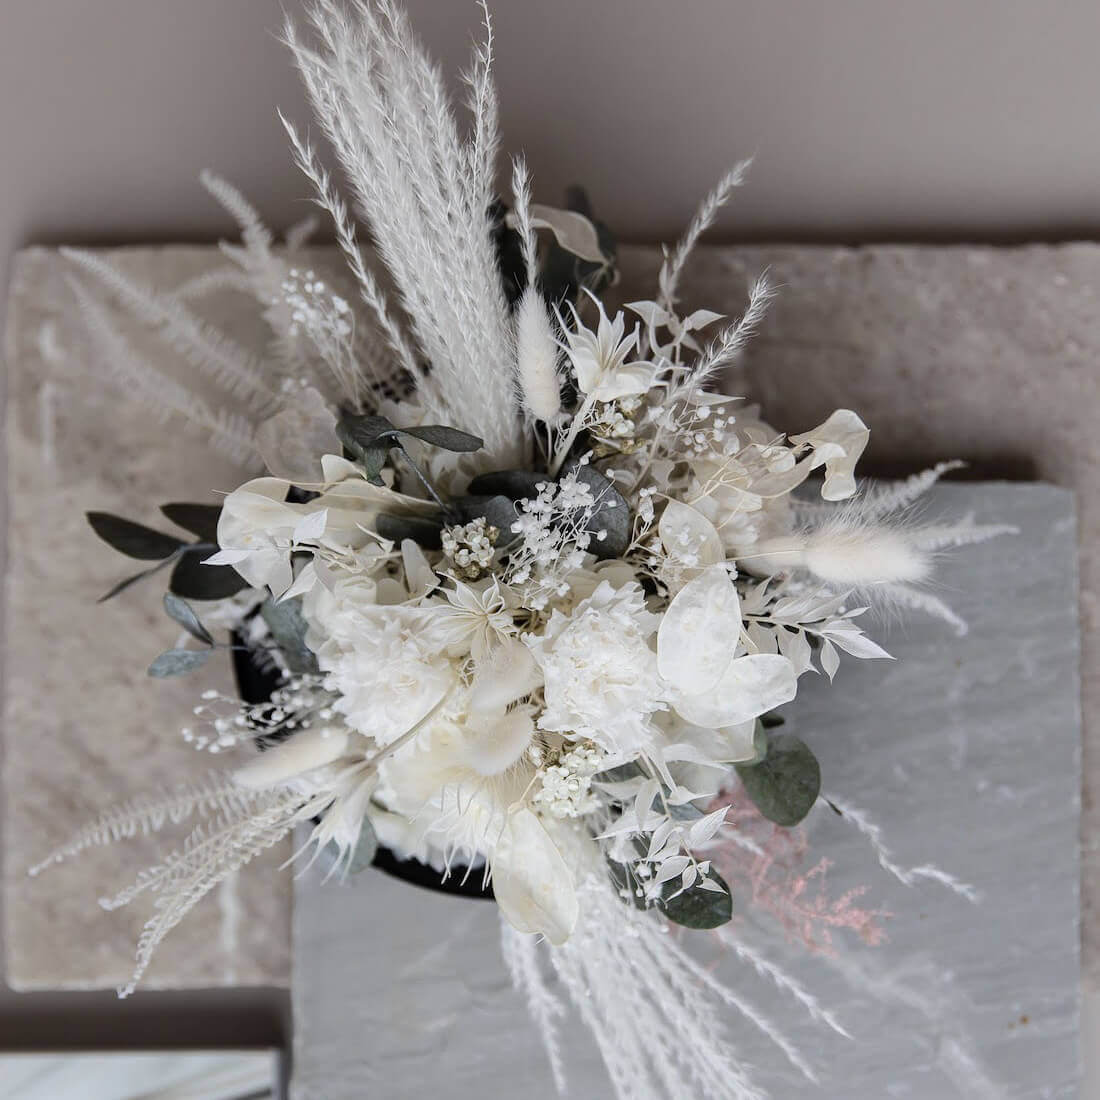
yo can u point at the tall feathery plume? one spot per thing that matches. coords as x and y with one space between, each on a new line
424 193
673 266
536 346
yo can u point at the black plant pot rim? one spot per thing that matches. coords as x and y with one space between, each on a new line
255 685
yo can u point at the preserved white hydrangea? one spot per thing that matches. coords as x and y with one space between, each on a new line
599 670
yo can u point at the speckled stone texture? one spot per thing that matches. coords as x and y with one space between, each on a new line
84 727
979 353
964 750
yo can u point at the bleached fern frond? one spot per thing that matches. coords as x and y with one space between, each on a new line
485 110
521 957
218 281
149 813
780 979
371 293
256 236
301 233
888 498
228 433
729 343
521 207
207 858
907 875
963 532
209 350
384 107
655 1018
673 266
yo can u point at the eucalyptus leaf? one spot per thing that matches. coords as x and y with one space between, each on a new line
513 484
449 439
499 512
184 614
697 907
619 774
178 662
199 519
611 514
288 627
784 786
133 539
423 531
194 581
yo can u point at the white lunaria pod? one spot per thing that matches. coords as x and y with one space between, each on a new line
537 358
699 633
531 881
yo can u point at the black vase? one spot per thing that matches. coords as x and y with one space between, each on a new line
255 685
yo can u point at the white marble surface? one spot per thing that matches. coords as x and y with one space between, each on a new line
966 752
149 1075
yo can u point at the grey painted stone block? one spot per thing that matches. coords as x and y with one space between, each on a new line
965 751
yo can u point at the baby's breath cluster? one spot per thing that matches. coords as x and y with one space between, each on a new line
470 547
565 781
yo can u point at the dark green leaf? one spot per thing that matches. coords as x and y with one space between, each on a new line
133 539
772 721
178 662
699 908
784 786
612 514
424 532
450 439
184 615
288 627
513 484
199 519
619 774
194 581
359 433
499 512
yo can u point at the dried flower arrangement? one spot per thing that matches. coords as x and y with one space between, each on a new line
532 587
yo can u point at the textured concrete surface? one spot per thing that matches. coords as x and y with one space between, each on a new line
965 752
984 354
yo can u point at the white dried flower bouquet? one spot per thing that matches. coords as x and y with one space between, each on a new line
531 585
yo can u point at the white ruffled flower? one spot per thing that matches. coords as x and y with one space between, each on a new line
384 662
600 673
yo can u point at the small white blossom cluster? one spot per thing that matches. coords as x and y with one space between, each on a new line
566 785
470 547
227 722
314 309
553 539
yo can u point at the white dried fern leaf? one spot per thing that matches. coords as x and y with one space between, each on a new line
521 956
148 813
210 351
207 858
673 266
227 432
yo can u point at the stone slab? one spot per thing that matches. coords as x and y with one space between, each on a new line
965 751
84 727
988 354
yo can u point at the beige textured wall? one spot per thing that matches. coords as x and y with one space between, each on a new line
884 119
